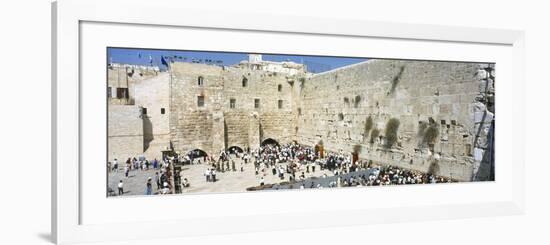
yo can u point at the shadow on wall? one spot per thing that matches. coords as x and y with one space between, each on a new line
486 170
147 132
225 135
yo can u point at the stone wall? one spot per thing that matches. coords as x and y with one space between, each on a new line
153 95
125 132
433 103
126 76
240 122
429 116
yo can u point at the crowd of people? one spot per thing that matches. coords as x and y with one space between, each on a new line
302 159
292 164
379 176
161 178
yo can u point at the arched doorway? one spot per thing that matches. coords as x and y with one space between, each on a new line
197 154
269 141
319 150
235 149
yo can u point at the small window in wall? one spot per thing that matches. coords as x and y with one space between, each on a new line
162 111
200 101
280 104
279 87
257 103
299 111
122 93
200 81
468 150
109 92
143 111
245 82
232 103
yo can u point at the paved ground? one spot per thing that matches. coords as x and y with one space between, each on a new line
227 181
135 183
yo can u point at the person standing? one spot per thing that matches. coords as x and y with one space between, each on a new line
213 175
115 165
157 180
120 188
126 171
207 174
149 187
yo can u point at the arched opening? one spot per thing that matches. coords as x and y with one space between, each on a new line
270 141
196 153
235 149
319 150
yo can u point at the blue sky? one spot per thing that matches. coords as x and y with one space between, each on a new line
315 64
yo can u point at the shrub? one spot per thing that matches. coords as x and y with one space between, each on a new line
430 134
356 149
422 128
391 132
357 101
427 133
368 125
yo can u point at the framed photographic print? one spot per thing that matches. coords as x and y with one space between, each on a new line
223 124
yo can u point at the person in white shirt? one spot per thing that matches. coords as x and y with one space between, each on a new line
207 174
165 189
120 188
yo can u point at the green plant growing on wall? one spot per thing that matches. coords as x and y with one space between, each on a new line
373 135
396 79
357 101
341 116
427 133
430 135
302 82
357 149
368 126
391 132
422 126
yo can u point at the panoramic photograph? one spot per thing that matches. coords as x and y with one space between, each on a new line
199 122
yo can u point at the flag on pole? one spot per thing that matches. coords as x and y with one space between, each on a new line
163 61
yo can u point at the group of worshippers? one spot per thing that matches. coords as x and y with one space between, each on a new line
162 177
378 176
298 158
137 163
225 162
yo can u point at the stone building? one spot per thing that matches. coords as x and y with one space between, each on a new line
429 116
